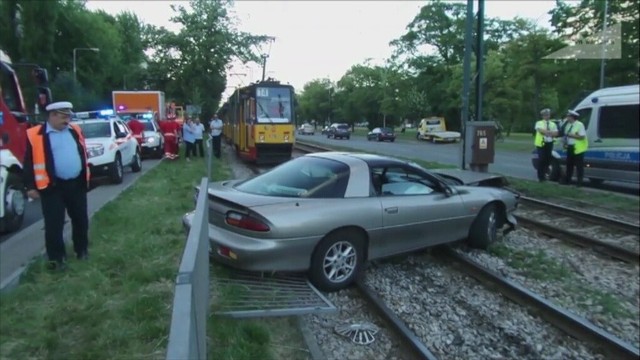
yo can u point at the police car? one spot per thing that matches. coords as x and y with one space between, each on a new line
110 145
151 140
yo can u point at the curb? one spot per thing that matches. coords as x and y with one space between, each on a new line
12 281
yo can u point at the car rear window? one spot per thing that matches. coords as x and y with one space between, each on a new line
303 177
343 127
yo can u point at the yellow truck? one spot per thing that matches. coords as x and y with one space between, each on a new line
434 129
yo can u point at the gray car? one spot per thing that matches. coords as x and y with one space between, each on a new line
327 213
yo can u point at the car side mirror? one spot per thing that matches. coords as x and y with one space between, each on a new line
120 135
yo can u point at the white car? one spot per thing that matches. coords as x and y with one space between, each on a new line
110 147
152 140
306 129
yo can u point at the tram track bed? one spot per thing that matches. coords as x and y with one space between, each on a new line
602 290
459 318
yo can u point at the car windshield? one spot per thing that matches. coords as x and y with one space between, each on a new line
303 177
148 126
96 129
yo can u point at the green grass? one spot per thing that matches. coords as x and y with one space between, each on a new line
118 304
538 265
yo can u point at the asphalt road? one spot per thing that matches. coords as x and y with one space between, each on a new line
515 164
33 212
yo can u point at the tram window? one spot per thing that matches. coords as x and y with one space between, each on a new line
619 122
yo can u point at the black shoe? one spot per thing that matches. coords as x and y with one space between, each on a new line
83 256
59 265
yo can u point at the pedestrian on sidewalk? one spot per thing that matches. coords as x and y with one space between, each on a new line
216 133
199 132
56 171
189 138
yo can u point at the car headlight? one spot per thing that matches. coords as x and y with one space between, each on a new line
151 139
95 150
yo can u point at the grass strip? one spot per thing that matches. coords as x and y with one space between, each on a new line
118 304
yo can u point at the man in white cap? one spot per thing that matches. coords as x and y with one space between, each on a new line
57 172
575 136
546 130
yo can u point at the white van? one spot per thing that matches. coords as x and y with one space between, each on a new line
611 117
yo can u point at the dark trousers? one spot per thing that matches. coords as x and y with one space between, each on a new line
215 141
69 195
199 149
544 159
576 160
189 148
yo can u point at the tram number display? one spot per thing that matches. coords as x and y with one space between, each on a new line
262 92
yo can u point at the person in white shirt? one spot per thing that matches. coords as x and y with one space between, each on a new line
216 132
576 145
198 131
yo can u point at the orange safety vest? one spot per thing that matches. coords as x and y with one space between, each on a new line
38 155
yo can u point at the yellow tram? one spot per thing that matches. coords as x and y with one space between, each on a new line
258 122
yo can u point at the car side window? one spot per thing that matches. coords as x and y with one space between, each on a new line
400 181
119 129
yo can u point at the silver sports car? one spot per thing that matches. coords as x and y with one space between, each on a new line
327 213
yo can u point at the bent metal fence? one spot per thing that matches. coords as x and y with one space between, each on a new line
188 334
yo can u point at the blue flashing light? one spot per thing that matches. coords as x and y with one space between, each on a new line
147 116
106 112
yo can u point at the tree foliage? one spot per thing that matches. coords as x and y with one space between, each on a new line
424 74
189 65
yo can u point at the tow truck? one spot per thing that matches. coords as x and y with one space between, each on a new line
14 122
434 129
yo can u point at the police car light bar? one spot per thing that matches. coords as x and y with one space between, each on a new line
106 112
82 115
147 116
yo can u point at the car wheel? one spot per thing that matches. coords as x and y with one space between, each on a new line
116 170
15 199
337 261
159 152
136 166
484 230
328 136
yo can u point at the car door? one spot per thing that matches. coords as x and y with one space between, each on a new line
416 210
123 137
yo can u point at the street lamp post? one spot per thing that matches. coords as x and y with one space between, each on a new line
75 76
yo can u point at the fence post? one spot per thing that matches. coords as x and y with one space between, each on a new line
209 156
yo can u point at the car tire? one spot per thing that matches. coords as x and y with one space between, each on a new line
136 165
340 241
12 220
484 230
116 170
328 136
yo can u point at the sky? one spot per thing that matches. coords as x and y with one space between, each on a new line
320 39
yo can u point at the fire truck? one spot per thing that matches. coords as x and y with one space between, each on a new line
14 122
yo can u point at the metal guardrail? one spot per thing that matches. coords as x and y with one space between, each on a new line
188 334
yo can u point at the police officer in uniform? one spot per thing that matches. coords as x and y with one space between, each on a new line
57 172
546 130
575 137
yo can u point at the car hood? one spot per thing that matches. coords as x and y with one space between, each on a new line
473 178
148 133
98 141
223 190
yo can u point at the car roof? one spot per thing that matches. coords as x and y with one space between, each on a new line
370 159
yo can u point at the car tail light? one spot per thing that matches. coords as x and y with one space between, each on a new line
245 222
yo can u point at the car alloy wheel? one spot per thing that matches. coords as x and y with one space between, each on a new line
339 262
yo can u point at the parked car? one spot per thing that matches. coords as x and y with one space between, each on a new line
325 130
110 147
327 213
152 139
306 129
339 131
382 134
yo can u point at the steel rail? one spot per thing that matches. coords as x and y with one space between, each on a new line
624 226
563 319
603 247
415 344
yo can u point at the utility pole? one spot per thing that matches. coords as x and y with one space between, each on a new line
265 56
466 80
604 42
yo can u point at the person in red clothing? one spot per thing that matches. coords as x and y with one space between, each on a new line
136 128
170 131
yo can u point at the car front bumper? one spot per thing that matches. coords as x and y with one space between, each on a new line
255 254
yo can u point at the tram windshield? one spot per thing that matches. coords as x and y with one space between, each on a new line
273 105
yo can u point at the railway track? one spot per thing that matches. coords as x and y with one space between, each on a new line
625 235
